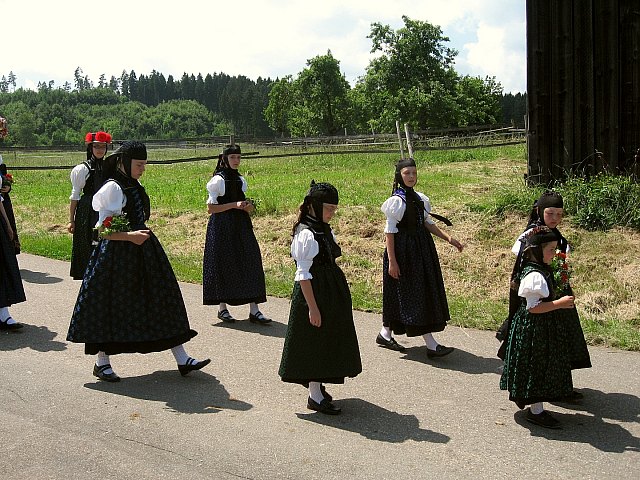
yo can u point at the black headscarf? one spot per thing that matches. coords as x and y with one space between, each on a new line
317 195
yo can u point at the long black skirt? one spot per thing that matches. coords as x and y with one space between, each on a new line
129 301
416 303
11 289
232 270
83 234
328 353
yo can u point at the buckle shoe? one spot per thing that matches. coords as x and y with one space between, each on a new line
325 406
225 316
259 318
390 344
192 364
440 351
107 377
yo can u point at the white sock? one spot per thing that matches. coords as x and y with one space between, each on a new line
222 306
314 392
103 359
537 408
180 354
253 308
5 316
430 341
385 333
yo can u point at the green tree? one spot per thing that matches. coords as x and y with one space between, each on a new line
281 100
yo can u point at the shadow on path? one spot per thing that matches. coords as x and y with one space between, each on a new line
197 393
457 360
38 338
41 278
375 423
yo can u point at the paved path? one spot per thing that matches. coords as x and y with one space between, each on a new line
404 417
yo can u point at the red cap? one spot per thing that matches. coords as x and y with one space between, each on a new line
100 137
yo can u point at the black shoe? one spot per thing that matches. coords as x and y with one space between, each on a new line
192 364
543 419
225 316
390 344
325 406
4 325
259 318
107 377
440 351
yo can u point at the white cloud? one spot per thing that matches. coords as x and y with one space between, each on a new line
269 38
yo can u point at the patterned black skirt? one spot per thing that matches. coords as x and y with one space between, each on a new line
537 363
85 219
129 301
328 353
416 303
11 289
232 265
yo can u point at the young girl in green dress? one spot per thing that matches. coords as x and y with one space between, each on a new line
537 363
321 344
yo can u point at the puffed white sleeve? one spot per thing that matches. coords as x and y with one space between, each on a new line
427 208
216 188
533 288
393 208
516 246
303 249
244 184
78 177
108 201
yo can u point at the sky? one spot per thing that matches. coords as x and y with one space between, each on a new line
46 40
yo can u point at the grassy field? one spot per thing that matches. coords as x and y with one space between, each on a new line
467 186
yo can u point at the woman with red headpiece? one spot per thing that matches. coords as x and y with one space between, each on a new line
86 179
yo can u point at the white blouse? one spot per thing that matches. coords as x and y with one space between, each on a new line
394 208
79 176
216 188
108 201
304 248
533 288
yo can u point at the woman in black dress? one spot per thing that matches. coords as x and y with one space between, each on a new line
86 179
129 301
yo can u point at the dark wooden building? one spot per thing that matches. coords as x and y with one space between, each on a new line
583 87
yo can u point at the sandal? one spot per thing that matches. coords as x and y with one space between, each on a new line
225 316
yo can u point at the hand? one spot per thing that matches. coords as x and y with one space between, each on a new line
314 317
568 301
394 270
139 236
71 227
5 189
249 207
456 243
241 204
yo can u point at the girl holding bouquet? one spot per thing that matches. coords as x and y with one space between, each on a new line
538 348
232 264
129 301
548 211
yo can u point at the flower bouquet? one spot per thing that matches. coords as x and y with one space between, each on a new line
256 203
114 224
561 272
7 180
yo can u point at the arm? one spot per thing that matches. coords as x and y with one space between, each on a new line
138 236
433 228
6 220
71 226
390 242
314 313
219 208
543 307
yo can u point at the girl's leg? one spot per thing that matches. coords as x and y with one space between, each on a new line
318 402
434 349
224 315
102 369
385 339
187 364
255 315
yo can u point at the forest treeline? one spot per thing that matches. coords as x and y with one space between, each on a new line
412 79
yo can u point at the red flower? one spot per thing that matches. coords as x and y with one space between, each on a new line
107 222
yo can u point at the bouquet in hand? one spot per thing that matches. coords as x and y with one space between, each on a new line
255 202
114 224
7 180
561 273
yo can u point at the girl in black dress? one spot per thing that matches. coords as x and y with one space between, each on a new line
129 301
86 179
11 289
7 180
413 295
321 344
232 264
